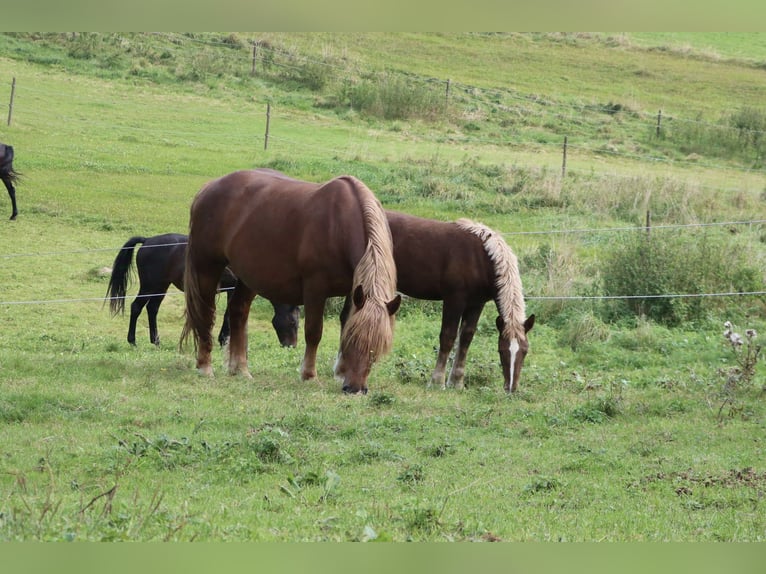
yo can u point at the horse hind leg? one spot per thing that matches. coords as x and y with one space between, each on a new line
238 309
135 310
201 278
11 193
152 308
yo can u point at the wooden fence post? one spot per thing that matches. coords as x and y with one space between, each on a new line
255 57
446 95
268 121
10 105
648 223
659 121
564 160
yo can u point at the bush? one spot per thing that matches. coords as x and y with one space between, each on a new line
669 263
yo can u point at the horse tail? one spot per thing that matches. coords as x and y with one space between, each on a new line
372 326
118 282
12 174
196 310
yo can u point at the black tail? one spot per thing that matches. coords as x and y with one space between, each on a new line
7 166
118 282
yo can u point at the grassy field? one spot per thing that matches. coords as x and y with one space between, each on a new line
624 427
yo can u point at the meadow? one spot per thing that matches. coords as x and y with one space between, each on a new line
635 420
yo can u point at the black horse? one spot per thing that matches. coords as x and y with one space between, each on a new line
160 263
9 175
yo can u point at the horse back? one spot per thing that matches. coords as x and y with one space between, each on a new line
437 258
276 232
161 259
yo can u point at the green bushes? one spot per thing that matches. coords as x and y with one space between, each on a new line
654 271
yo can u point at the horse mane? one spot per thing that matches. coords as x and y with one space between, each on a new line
371 328
510 296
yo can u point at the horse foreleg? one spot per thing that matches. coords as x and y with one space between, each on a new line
344 313
467 330
239 310
314 310
450 321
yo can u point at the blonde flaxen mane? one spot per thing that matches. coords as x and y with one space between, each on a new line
371 328
510 297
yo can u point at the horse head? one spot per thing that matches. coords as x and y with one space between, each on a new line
512 351
360 346
286 321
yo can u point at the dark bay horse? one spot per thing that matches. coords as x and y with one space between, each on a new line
464 264
9 175
300 243
160 263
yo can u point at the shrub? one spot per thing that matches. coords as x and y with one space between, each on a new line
654 270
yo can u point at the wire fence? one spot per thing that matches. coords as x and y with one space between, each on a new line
528 297
467 94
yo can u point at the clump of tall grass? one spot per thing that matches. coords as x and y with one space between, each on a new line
584 329
392 97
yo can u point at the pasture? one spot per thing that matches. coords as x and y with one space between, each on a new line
627 426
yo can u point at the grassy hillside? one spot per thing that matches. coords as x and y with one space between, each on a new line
631 423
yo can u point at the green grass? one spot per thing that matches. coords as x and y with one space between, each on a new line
621 430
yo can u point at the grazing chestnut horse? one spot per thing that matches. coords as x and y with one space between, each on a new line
464 264
9 175
300 243
160 263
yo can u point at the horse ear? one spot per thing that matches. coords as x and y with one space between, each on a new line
393 304
359 297
499 323
529 323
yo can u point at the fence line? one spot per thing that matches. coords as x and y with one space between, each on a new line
247 140
467 89
655 296
503 233
527 297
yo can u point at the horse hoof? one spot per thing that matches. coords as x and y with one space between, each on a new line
205 371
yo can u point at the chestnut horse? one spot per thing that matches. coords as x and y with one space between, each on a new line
160 263
300 243
9 175
464 264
